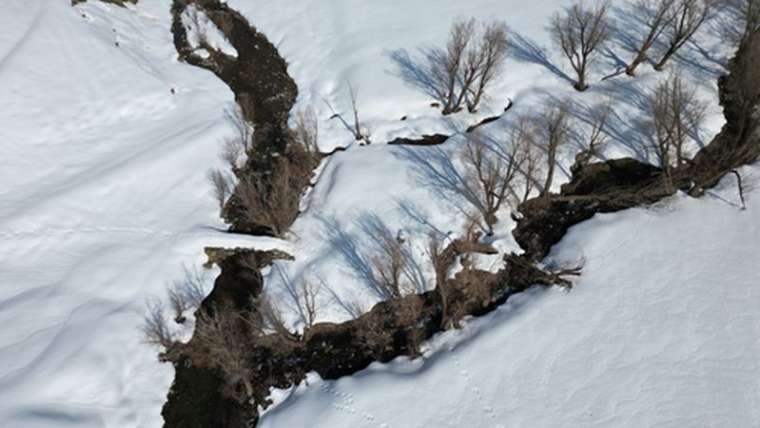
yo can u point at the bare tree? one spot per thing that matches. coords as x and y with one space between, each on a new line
268 317
551 130
306 130
221 337
222 184
461 73
528 154
193 286
595 138
359 133
388 266
186 293
493 50
155 328
579 33
393 271
658 15
676 115
178 301
444 65
303 294
488 176
689 15
237 146
440 269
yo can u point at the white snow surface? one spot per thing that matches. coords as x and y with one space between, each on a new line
661 330
104 197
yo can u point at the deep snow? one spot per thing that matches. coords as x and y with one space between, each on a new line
661 330
103 198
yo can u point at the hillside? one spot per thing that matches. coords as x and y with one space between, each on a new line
108 133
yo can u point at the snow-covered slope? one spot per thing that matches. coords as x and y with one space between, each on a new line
103 197
106 140
662 329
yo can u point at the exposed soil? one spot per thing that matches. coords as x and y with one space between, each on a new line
389 329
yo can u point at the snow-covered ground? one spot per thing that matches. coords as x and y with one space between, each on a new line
662 329
329 45
103 198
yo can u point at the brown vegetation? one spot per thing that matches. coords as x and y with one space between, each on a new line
658 15
689 15
473 58
579 33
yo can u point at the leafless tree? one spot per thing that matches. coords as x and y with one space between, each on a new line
222 184
551 130
357 128
440 270
658 15
303 295
444 65
186 293
388 265
306 130
676 114
155 327
528 153
360 133
393 270
461 73
489 176
193 286
595 138
484 62
237 146
221 337
178 302
579 33
689 15
269 318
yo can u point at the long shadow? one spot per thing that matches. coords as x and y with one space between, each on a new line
415 72
525 50
375 228
436 171
349 248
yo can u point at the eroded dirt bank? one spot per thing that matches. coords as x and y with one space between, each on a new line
197 398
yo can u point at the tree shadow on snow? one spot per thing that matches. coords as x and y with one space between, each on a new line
525 50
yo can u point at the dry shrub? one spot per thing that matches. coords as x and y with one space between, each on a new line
155 326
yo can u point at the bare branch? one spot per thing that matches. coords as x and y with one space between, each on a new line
579 33
659 14
155 328
689 17
222 184
489 176
676 114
